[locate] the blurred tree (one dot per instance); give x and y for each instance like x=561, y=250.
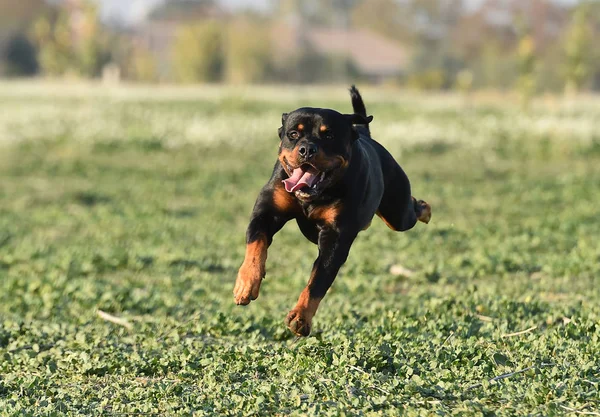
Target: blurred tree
x=17, y=54
x=595, y=18
x=248, y=52
x=331, y=13
x=491, y=70
x=318, y=12
x=387, y=17
x=20, y=57
x=71, y=41
x=579, y=50
x=484, y=45
x=185, y=10
x=52, y=36
x=431, y=79
x=91, y=47
x=198, y=52
x=464, y=81
x=486, y=38
x=550, y=74
x=141, y=65
x=526, y=83
x=289, y=8
x=434, y=59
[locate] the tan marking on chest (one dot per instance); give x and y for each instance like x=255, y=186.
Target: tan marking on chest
x=284, y=201
x=326, y=214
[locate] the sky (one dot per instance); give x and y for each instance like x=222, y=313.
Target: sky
x=134, y=11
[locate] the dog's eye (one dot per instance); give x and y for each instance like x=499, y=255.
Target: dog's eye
x=293, y=134
x=328, y=135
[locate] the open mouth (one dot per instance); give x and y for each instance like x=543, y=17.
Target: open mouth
x=304, y=181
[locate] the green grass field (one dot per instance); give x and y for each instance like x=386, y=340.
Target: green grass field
x=135, y=201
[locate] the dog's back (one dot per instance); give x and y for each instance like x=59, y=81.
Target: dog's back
x=397, y=207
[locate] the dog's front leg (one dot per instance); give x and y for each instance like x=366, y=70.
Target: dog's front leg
x=333, y=251
x=266, y=220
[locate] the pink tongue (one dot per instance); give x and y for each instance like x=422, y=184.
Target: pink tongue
x=299, y=179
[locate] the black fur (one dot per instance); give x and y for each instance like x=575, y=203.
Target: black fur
x=362, y=179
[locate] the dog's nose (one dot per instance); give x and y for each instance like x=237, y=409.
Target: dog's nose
x=307, y=150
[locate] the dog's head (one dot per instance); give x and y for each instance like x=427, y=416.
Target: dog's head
x=315, y=150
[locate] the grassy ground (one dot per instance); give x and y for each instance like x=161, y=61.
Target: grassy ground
x=135, y=202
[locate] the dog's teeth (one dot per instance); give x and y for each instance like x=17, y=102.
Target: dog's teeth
x=322, y=176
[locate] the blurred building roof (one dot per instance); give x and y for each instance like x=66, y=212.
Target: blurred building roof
x=372, y=54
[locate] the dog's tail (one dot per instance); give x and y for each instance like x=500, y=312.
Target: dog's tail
x=358, y=105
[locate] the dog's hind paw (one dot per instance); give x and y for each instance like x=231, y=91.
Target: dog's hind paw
x=423, y=211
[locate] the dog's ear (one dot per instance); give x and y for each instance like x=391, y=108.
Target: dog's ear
x=357, y=119
x=284, y=117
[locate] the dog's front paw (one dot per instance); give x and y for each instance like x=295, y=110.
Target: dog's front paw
x=246, y=289
x=299, y=322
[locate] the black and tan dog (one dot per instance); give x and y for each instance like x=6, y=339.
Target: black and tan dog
x=332, y=177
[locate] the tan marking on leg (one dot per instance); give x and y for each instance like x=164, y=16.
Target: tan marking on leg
x=251, y=272
x=299, y=320
x=386, y=222
x=308, y=304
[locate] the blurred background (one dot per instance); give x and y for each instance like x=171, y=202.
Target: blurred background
x=537, y=46
x=136, y=134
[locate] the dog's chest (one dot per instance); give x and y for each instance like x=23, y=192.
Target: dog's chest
x=323, y=214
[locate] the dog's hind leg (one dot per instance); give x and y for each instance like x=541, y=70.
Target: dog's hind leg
x=399, y=210
x=422, y=210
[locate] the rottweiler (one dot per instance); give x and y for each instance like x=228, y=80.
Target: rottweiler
x=332, y=177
